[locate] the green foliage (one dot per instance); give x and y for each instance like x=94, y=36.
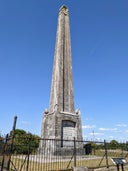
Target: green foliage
x=92, y=147
x=1, y=144
x=115, y=145
x=24, y=142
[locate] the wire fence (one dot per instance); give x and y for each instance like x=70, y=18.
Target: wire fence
x=28, y=154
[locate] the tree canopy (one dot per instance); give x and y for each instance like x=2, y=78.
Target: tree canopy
x=25, y=142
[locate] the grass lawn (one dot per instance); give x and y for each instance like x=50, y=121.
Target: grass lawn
x=38, y=165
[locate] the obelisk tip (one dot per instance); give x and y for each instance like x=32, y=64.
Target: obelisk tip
x=63, y=7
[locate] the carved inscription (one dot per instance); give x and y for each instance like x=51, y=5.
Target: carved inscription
x=68, y=132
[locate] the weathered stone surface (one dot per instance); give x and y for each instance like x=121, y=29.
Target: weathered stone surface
x=61, y=121
x=53, y=128
x=62, y=93
x=106, y=169
x=80, y=169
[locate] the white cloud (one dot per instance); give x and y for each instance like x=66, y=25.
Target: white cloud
x=25, y=122
x=111, y=136
x=88, y=126
x=121, y=125
x=96, y=133
x=88, y=119
x=108, y=129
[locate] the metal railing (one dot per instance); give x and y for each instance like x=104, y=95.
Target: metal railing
x=28, y=154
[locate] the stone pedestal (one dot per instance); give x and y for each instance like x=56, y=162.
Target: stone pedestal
x=62, y=125
x=59, y=129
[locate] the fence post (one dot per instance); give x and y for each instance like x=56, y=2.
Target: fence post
x=28, y=155
x=4, y=150
x=106, y=153
x=12, y=139
x=74, y=152
x=126, y=148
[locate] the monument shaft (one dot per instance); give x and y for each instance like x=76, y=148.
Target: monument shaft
x=61, y=121
x=62, y=93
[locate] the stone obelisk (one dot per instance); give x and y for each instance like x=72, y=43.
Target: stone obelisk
x=61, y=121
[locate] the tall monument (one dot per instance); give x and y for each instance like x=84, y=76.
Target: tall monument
x=61, y=121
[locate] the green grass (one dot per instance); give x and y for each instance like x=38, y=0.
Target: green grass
x=91, y=161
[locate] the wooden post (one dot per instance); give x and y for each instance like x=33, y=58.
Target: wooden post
x=12, y=138
x=106, y=154
x=4, y=151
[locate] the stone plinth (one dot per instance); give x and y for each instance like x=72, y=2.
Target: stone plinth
x=62, y=125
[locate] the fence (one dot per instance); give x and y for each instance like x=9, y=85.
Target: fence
x=28, y=154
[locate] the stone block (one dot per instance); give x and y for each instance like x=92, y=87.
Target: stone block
x=80, y=169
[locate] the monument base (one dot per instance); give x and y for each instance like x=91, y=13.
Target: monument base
x=62, y=125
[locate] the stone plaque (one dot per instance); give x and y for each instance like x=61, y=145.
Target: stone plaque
x=68, y=133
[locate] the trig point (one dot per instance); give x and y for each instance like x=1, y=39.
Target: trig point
x=61, y=121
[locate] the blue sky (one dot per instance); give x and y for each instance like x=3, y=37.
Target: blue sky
x=99, y=37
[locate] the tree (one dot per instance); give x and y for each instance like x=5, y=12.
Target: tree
x=1, y=144
x=89, y=147
x=24, y=142
x=113, y=144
